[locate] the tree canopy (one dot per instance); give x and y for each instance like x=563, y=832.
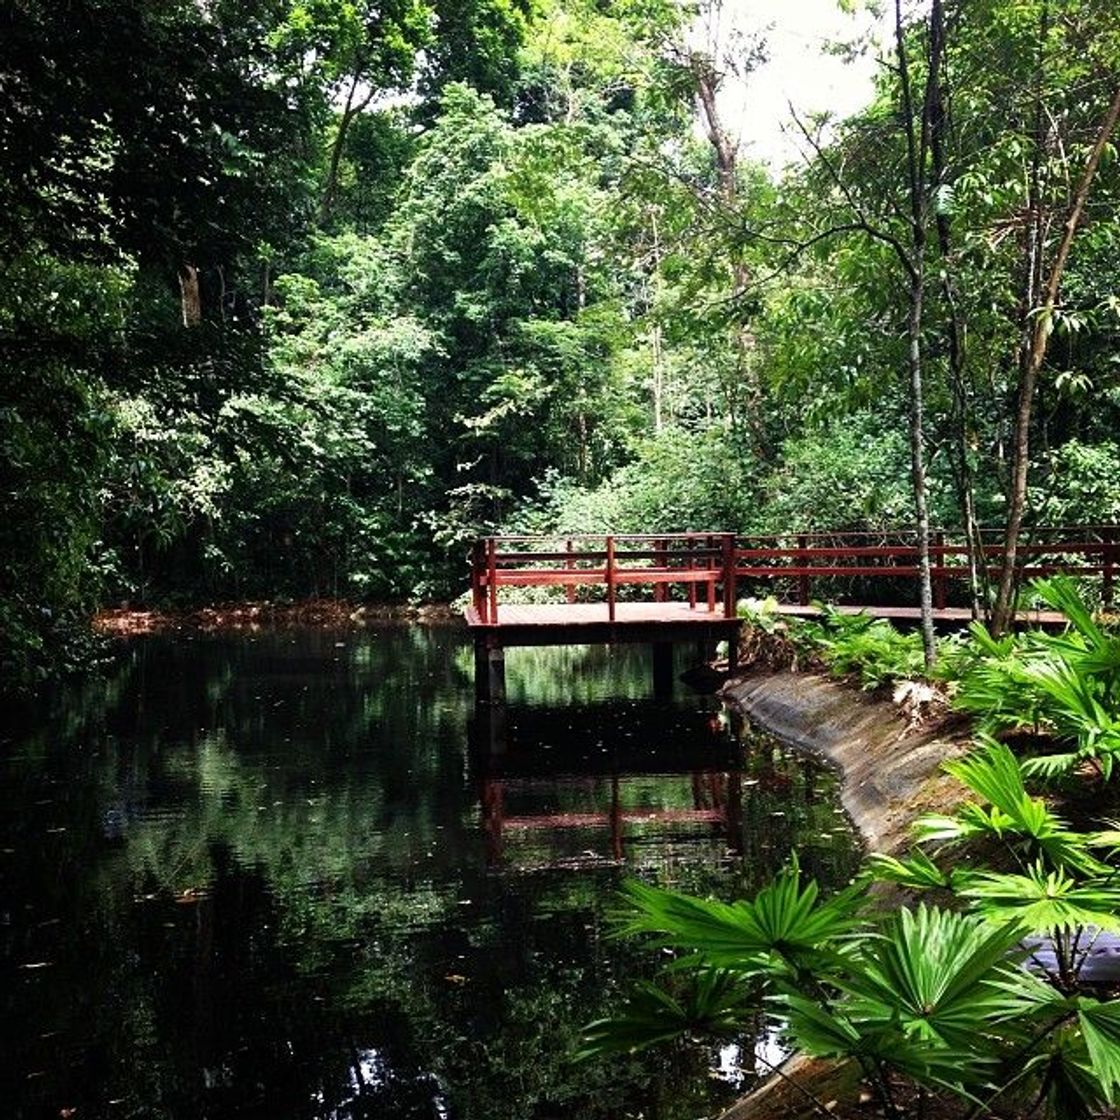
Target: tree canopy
x=301, y=296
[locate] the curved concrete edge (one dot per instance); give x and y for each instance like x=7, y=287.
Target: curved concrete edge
x=889, y=776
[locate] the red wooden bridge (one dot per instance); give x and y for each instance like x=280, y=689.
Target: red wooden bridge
x=668, y=587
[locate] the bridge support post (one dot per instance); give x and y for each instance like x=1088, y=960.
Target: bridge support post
x=662, y=670
x=489, y=731
x=489, y=670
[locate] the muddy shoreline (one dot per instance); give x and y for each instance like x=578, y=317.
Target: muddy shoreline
x=126, y=621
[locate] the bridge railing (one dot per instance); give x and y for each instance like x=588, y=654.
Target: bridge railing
x=714, y=564
x=695, y=561
x=803, y=558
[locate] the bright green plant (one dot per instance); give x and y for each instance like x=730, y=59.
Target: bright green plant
x=1061, y=893
x=1067, y=685
x=929, y=995
x=987, y=1005
x=870, y=648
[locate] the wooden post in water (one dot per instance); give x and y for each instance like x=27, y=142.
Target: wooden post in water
x=489, y=670
x=662, y=670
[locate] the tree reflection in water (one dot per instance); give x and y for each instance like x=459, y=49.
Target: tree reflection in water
x=277, y=875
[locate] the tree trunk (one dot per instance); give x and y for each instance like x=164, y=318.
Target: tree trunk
x=707, y=84
x=656, y=342
x=349, y=111
x=189, y=296
x=954, y=327
x=917, y=148
x=917, y=457
x=1041, y=329
x=707, y=80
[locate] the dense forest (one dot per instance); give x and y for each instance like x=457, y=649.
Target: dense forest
x=301, y=295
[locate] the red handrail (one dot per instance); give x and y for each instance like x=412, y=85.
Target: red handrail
x=605, y=560
x=722, y=559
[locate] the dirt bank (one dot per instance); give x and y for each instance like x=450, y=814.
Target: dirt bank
x=327, y=613
x=890, y=775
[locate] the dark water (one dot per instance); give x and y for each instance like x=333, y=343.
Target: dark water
x=270, y=876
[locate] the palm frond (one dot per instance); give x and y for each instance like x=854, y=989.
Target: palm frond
x=1100, y=1028
x=917, y=870
x=713, y=1004
x=784, y=920
x=1043, y=901
x=932, y=974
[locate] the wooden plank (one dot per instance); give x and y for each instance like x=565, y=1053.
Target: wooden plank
x=1055, y=548
x=889, y=570
x=599, y=555
x=559, y=577
x=949, y=614
x=690, y=559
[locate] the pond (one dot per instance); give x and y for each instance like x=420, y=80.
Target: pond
x=291, y=874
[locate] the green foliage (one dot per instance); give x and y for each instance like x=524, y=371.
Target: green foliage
x=1063, y=893
x=849, y=474
x=1066, y=684
x=783, y=928
x=1079, y=484
x=870, y=648
x=940, y=997
x=679, y=481
x=709, y=1003
x=1007, y=813
x=935, y=996
x=463, y=266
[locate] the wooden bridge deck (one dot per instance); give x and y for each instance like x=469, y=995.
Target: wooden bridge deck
x=578, y=623
x=591, y=616
x=961, y=616
x=711, y=570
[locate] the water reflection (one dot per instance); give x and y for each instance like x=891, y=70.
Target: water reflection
x=277, y=875
x=582, y=784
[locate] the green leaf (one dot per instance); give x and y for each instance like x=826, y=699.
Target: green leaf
x=784, y=921
x=1043, y=901
x=1100, y=1027
x=916, y=870
x=714, y=1003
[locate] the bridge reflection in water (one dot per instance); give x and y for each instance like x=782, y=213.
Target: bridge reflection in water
x=552, y=795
